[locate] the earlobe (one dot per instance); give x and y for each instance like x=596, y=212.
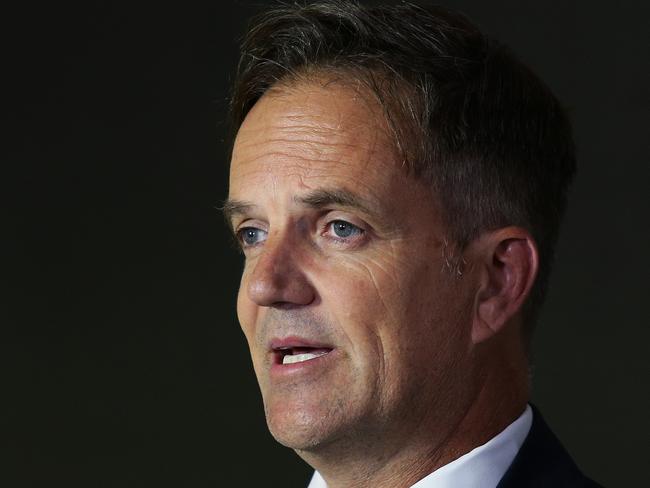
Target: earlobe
x=509, y=263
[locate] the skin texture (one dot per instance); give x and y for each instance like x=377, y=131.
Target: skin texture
x=424, y=364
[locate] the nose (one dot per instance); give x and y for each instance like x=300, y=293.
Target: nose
x=278, y=278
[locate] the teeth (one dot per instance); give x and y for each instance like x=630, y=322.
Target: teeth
x=299, y=358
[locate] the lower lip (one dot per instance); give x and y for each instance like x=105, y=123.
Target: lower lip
x=311, y=366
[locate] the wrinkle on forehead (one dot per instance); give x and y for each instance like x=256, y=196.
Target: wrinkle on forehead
x=308, y=137
x=324, y=124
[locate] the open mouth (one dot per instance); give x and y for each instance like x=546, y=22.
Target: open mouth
x=293, y=355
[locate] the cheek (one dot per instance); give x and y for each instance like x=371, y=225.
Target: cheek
x=369, y=300
x=396, y=305
x=385, y=286
x=362, y=289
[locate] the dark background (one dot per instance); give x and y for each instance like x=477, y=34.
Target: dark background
x=121, y=361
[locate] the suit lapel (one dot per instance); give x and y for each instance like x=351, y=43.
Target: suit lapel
x=543, y=462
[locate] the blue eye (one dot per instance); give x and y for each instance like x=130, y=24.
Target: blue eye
x=250, y=236
x=344, y=229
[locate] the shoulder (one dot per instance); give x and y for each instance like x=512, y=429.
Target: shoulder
x=542, y=461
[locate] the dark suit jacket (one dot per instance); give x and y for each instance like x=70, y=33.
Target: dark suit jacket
x=542, y=462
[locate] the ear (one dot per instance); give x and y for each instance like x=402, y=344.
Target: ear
x=508, y=262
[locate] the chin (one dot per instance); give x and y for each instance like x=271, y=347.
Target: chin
x=302, y=428
x=296, y=440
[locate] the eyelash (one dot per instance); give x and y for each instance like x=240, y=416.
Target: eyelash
x=241, y=235
x=357, y=233
x=356, y=230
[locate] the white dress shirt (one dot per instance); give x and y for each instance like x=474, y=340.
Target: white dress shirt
x=482, y=467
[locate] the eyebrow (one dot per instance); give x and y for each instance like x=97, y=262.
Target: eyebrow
x=231, y=208
x=315, y=199
x=326, y=197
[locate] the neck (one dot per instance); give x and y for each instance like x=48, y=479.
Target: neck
x=399, y=460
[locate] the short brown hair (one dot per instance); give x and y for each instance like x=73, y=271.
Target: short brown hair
x=467, y=116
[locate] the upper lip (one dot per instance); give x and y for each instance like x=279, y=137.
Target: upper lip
x=279, y=344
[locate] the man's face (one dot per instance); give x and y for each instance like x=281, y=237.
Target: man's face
x=356, y=327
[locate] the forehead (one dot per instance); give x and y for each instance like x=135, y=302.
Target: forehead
x=316, y=130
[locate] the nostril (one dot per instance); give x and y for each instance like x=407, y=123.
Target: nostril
x=285, y=305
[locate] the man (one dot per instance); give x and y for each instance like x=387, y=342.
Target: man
x=397, y=182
